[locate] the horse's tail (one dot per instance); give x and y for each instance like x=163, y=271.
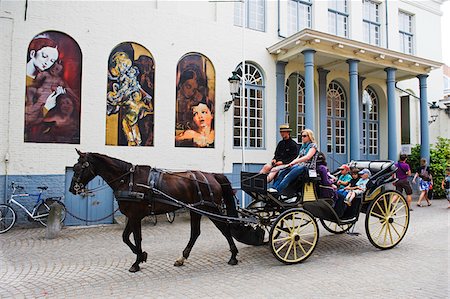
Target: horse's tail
x=228, y=194
x=246, y=234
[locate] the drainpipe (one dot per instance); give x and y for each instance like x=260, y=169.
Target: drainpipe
x=8, y=128
x=387, y=25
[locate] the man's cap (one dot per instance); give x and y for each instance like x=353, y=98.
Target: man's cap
x=364, y=171
x=345, y=166
x=285, y=128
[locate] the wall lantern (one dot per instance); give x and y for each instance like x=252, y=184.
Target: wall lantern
x=434, y=112
x=234, y=89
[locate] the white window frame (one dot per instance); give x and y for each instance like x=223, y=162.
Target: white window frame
x=338, y=15
x=255, y=14
x=296, y=21
x=253, y=109
x=406, y=33
x=371, y=124
x=371, y=22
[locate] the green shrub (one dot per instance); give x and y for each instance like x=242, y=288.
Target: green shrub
x=439, y=161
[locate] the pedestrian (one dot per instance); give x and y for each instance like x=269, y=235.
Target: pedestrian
x=446, y=185
x=425, y=177
x=285, y=152
x=402, y=173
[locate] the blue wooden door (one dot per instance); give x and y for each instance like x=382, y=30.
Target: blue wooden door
x=89, y=207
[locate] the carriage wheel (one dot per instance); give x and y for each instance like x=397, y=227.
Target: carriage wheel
x=293, y=236
x=335, y=228
x=387, y=220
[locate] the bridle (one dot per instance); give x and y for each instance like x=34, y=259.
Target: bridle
x=78, y=186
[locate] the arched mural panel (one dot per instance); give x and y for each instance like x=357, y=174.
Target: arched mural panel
x=130, y=96
x=195, y=102
x=53, y=89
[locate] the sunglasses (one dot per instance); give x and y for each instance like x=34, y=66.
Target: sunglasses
x=304, y=135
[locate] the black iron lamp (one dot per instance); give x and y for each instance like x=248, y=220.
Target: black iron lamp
x=234, y=90
x=434, y=110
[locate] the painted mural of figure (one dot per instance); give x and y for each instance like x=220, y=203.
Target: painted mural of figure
x=128, y=96
x=45, y=86
x=190, y=89
x=202, y=134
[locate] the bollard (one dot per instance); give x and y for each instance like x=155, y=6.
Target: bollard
x=54, y=221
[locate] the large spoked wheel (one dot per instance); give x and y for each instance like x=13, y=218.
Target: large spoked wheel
x=335, y=228
x=387, y=220
x=293, y=236
x=7, y=218
x=43, y=210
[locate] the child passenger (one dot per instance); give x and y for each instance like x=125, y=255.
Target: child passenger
x=354, y=177
x=360, y=187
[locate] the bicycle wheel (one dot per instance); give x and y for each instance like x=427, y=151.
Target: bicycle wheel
x=170, y=216
x=7, y=218
x=43, y=210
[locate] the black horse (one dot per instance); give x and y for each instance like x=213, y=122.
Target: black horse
x=146, y=187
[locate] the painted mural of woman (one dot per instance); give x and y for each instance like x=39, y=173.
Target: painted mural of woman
x=195, y=84
x=47, y=79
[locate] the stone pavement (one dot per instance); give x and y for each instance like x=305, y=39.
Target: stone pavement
x=93, y=262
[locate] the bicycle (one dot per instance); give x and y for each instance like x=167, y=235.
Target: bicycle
x=39, y=213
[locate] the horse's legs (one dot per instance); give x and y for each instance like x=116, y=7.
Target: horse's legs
x=195, y=232
x=140, y=255
x=126, y=237
x=225, y=229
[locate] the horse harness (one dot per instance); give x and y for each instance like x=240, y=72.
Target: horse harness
x=154, y=194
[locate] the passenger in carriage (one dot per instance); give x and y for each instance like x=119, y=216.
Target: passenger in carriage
x=344, y=177
x=285, y=152
x=306, y=160
x=360, y=187
x=327, y=188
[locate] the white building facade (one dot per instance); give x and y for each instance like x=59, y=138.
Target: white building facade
x=332, y=66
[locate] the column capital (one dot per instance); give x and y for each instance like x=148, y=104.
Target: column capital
x=306, y=51
x=350, y=61
x=422, y=76
x=323, y=71
x=390, y=69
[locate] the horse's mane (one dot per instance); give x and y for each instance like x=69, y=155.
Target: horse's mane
x=120, y=164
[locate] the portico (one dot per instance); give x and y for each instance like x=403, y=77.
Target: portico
x=356, y=108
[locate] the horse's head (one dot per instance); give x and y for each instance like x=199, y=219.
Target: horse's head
x=83, y=173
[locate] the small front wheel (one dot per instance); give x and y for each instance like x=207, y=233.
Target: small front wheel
x=293, y=236
x=170, y=217
x=152, y=218
x=7, y=218
x=335, y=228
x=43, y=210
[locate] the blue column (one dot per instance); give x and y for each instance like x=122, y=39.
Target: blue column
x=424, y=133
x=280, y=83
x=309, y=89
x=355, y=137
x=323, y=108
x=392, y=114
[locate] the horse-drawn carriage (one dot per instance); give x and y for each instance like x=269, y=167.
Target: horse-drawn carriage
x=292, y=228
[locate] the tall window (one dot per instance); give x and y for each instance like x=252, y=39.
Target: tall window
x=370, y=123
x=336, y=118
x=405, y=30
x=249, y=124
x=371, y=22
x=295, y=104
x=299, y=15
x=446, y=85
x=255, y=14
x=338, y=17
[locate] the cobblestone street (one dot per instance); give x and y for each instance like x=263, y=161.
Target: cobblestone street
x=93, y=262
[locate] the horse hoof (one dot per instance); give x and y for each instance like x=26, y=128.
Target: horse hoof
x=134, y=269
x=233, y=262
x=178, y=263
x=144, y=257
